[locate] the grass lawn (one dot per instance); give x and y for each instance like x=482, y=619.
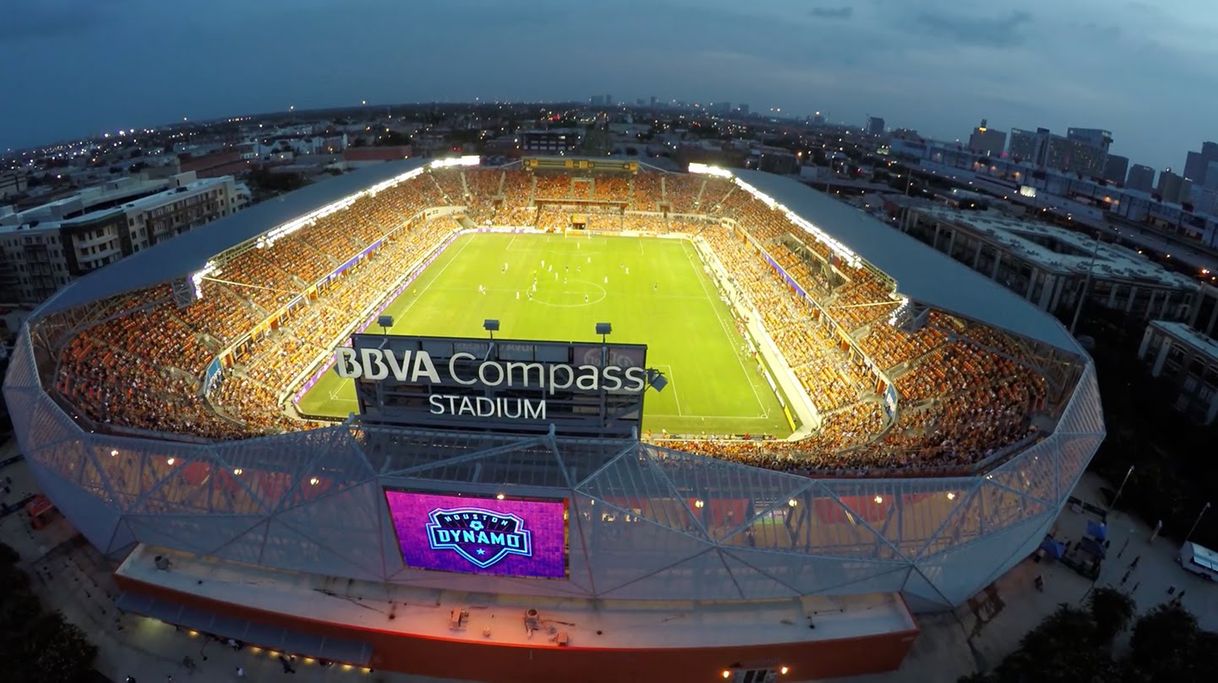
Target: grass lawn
x=654, y=291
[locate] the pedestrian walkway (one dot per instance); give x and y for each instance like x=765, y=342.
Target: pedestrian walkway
x=958, y=643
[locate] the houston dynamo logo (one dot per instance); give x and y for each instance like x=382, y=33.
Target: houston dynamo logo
x=482, y=537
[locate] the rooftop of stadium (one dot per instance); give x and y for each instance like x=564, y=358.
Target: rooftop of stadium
x=910, y=361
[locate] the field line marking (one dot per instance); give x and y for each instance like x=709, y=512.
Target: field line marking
x=735, y=352
x=397, y=318
x=675, y=394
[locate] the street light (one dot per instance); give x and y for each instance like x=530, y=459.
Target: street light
x=1112, y=505
x=1196, y=522
x=1078, y=309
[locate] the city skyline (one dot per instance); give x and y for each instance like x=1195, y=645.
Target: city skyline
x=937, y=68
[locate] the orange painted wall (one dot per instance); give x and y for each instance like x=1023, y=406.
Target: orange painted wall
x=581, y=661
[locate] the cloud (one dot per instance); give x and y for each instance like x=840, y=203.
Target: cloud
x=49, y=19
x=978, y=31
x=832, y=12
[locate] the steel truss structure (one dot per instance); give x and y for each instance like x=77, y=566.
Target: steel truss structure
x=644, y=522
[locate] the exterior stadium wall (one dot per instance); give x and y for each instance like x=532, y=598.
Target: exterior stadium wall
x=483, y=660
x=313, y=502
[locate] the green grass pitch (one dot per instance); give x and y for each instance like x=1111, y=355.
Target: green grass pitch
x=653, y=290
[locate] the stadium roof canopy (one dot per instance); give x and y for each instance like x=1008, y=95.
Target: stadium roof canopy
x=922, y=274
x=189, y=252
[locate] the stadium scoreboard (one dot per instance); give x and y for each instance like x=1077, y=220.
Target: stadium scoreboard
x=576, y=388
x=567, y=164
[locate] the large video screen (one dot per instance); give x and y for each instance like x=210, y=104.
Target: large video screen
x=471, y=534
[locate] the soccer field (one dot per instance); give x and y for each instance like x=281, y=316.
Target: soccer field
x=654, y=292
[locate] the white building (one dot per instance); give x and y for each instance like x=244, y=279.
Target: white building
x=1186, y=360
x=1052, y=266
x=43, y=248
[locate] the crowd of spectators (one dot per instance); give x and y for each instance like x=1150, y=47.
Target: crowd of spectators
x=273, y=312
x=648, y=192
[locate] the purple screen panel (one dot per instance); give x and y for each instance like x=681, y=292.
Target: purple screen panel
x=480, y=535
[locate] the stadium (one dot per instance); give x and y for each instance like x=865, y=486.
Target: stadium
x=834, y=427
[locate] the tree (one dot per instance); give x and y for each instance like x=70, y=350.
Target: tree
x=1111, y=610
x=57, y=650
x=1167, y=645
x=1075, y=645
x=1062, y=648
x=36, y=645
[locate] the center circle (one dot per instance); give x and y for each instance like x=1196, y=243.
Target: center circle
x=570, y=294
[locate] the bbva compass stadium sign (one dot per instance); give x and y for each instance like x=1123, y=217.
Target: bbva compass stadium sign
x=576, y=387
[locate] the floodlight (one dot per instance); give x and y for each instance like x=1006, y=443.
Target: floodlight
x=604, y=328
x=490, y=325
x=656, y=379
x=385, y=321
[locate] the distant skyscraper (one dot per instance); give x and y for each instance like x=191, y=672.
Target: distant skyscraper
x=721, y=108
x=1140, y=178
x=597, y=100
x=653, y=100
x=1029, y=146
x=1211, y=175
x=608, y=100
x=1083, y=151
x=818, y=119
x=1076, y=156
x=1095, y=137
x=875, y=125
x=987, y=141
x=1173, y=187
x=1115, y=168
x=743, y=109
x=1196, y=167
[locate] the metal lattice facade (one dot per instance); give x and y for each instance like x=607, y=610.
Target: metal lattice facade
x=645, y=522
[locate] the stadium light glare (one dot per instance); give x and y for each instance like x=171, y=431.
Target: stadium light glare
x=170, y=461
x=784, y=670
x=879, y=499
x=699, y=503
x=707, y=169
x=314, y=481
x=951, y=495
x=196, y=278
x=838, y=248
x=238, y=471
x=271, y=236
x=466, y=160
x=895, y=319
x=793, y=503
